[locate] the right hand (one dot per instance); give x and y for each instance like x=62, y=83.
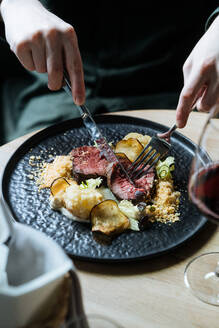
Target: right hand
x=201, y=76
x=45, y=43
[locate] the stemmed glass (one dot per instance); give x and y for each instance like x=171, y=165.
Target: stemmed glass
x=202, y=273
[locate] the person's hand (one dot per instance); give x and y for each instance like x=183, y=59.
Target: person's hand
x=45, y=43
x=201, y=76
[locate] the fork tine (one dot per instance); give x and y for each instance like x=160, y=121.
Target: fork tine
x=142, y=160
x=142, y=172
x=149, y=161
x=136, y=162
x=150, y=155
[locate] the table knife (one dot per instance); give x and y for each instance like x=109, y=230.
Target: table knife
x=93, y=129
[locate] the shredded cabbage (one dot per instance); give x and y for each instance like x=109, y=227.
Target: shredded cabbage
x=97, y=146
x=130, y=210
x=133, y=225
x=91, y=183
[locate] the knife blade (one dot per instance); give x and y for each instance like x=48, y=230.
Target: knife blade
x=94, y=131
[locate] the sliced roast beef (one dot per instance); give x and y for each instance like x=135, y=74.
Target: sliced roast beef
x=121, y=186
x=146, y=181
x=88, y=162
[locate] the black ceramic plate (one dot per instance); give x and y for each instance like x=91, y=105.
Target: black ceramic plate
x=31, y=207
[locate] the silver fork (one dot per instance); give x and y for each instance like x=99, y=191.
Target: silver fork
x=155, y=150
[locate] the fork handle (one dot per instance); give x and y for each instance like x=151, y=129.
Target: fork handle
x=172, y=129
x=167, y=135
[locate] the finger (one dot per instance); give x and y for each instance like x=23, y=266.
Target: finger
x=209, y=98
x=54, y=61
x=187, y=69
x=187, y=99
x=39, y=53
x=199, y=95
x=74, y=67
x=24, y=54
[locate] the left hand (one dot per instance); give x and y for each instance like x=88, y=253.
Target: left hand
x=201, y=76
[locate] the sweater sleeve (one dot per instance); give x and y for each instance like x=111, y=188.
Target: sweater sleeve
x=211, y=18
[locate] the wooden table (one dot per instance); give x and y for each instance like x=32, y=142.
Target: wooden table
x=150, y=293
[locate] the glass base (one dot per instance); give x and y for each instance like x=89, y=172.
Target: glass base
x=201, y=276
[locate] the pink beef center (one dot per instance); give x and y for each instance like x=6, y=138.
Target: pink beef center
x=146, y=182
x=87, y=160
x=121, y=186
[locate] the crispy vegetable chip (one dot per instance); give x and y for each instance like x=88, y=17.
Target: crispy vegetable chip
x=58, y=185
x=107, y=218
x=143, y=139
x=130, y=147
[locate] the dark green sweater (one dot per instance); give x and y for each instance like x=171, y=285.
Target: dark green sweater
x=132, y=52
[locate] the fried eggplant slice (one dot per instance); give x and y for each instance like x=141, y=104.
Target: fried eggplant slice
x=58, y=185
x=130, y=147
x=122, y=156
x=143, y=139
x=107, y=218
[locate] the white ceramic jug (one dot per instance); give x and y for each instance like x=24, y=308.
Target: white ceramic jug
x=31, y=269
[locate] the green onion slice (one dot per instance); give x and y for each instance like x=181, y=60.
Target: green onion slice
x=164, y=168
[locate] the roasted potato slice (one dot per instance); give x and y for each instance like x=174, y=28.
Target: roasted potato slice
x=107, y=218
x=130, y=147
x=58, y=185
x=143, y=139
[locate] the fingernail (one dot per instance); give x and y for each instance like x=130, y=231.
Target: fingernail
x=79, y=100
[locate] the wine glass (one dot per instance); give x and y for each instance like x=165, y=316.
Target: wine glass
x=202, y=273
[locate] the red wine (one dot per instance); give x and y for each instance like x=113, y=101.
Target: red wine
x=204, y=191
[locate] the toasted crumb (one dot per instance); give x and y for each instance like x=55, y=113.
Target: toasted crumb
x=60, y=167
x=165, y=203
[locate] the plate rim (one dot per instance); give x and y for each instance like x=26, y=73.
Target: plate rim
x=99, y=119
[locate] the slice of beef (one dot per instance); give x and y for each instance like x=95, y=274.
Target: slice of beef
x=146, y=181
x=122, y=188
x=88, y=162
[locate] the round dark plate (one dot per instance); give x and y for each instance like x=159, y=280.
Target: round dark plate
x=31, y=207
